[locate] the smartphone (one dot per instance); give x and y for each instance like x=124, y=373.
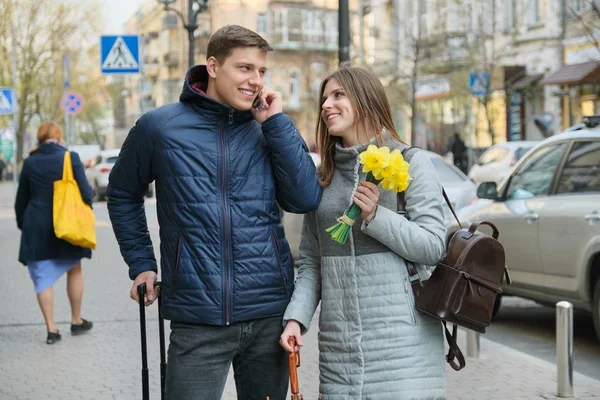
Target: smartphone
x=256, y=103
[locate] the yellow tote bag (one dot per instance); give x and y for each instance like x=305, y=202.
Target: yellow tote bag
x=74, y=221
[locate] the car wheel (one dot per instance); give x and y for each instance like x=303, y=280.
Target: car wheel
x=596, y=308
x=497, y=304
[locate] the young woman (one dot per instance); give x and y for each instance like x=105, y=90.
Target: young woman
x=373, y=343
x=46, y=256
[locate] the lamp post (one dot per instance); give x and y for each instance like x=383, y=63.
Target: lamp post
x=191, y=25
x=344, y=31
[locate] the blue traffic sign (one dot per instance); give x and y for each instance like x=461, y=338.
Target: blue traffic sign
x=71, y=102
x=479, y=82
x=119, y=54
x=7, y=100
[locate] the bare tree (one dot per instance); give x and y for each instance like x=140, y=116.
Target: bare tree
x=588, y=18
x=42, y=31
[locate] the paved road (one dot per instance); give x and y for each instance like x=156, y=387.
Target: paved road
x=105, y=364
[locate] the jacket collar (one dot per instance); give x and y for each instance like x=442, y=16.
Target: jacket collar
x=194, y=92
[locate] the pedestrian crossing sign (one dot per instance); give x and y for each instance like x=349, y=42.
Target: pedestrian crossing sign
x=7, y=103
x=119, y=54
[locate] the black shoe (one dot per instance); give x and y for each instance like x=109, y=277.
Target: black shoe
x=81, y=328
x=53, y=337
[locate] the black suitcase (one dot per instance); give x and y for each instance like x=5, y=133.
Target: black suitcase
x=141, y=289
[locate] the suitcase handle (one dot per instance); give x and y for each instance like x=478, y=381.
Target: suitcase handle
x=141, y=290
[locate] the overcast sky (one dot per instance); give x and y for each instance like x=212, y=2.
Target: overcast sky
x=117, y=12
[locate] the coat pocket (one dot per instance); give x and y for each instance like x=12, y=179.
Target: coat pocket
x=410, y=300
x=176, y=263
x=278, y=255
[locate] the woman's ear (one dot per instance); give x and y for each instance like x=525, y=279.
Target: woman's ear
x=212, y=66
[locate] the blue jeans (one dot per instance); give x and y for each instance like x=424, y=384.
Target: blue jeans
x=200, y=356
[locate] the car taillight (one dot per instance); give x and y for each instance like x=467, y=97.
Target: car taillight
x=104, y=170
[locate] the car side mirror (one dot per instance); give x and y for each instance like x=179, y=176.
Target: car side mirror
x=487, y=190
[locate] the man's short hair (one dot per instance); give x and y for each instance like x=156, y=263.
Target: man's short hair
x=229, y=37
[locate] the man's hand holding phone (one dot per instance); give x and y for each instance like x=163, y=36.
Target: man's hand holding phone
x=266, y=104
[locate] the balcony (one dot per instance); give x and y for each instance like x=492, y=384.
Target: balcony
x=151, y=67
x=171, y=60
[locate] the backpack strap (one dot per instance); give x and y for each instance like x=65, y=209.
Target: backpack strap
x=453, y=350
x=454, y=357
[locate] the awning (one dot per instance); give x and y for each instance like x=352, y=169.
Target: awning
x=525, y=82
x=575, y=74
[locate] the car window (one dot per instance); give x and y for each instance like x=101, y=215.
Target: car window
x=445, y=172
x=493, y=155
x=111, y=160
x=535, y=175
x=581, y=173
x=520, y=152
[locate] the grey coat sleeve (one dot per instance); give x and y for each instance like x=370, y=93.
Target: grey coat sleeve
x=422, y=238
x=307, y=291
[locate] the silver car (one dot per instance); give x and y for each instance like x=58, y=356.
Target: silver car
x=548, y=215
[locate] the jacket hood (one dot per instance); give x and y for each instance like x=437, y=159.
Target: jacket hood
x=194, y=91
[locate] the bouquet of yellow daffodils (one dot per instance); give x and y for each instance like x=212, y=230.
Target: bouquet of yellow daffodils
x=381, y=166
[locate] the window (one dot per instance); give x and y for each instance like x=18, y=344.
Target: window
x=294, y=100
x=111, y=160
x=535, y=175
x=300, y=26
x=535, y=12
x=494, y=154
x=581, y=173
x=520, y=152
x=261, y=24
x=511, y=15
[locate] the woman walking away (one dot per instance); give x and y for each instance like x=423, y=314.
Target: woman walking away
x=373, y=343
x=46, y=256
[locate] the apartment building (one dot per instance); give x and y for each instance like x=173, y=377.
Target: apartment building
x=514, y=42
x=303, y=34
x=579, y=76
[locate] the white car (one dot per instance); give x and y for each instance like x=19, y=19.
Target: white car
x=548, y=215
x=98, y=169
x=461, y=190
x=497, y=162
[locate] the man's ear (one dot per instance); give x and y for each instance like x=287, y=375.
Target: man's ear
x=211, y=67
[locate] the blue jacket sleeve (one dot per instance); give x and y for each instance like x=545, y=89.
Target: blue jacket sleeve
x=82, y=182
x=298, y=189
x=22, y=197
x=128, y=184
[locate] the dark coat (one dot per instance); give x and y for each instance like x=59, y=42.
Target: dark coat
x=33, y=205
x=219, y=176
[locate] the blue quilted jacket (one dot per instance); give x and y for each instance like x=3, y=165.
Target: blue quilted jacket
x=219, y=176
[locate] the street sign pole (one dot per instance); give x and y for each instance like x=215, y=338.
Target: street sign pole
x=15, y=108
x=66, y=86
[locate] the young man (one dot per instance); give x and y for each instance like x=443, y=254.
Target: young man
x=220, y=167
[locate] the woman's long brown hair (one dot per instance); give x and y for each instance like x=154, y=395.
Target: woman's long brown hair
x=372, y=114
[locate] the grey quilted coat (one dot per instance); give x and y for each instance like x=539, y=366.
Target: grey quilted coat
x=373, y=344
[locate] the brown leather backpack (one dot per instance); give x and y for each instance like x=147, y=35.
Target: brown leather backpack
x=463, y=287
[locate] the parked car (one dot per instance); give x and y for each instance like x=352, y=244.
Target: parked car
x=497, y=162
x=548, y=215
x=461, y=190
x=97, y=170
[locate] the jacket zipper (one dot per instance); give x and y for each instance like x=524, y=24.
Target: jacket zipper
x=176, y=267
x=274, y=240
x=225, y=216
x=407, y=288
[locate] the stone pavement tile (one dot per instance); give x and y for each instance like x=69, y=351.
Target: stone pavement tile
x=504, y=373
